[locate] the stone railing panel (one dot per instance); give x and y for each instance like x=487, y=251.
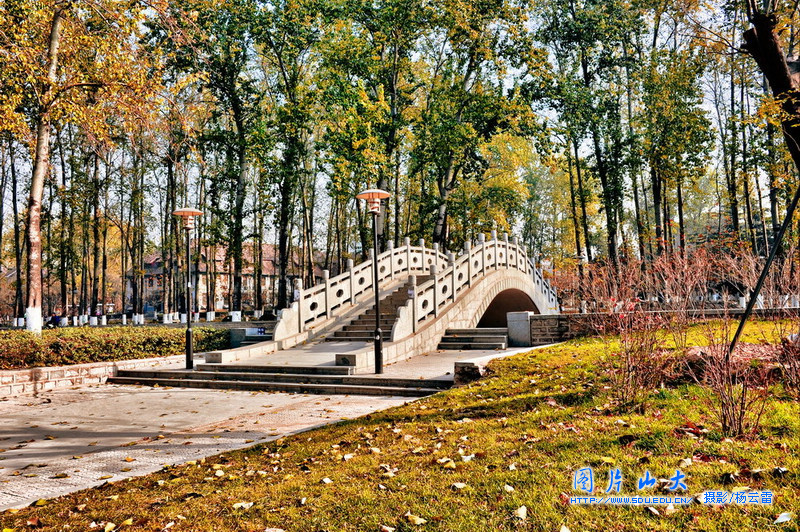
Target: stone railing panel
x=333, y=296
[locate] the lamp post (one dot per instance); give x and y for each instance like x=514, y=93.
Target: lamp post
x=188, y=215
x=374, y=197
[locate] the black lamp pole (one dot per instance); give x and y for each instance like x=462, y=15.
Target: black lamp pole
x=378, y=332
x=188, y=214
x=189, y=339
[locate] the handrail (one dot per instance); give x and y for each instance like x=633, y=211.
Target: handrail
x=432, y=296
x=451, y=274
x=326, y=300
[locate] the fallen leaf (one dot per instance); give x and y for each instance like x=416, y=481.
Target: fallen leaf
x=104, y=477
x=785, y=517
x=109, y=527
x=130, y=459
x=458, y=485
x=521, y=512
x=326, y=480
x=508, y=488
x=127, y=522
x=652, y=510
x=242, y=505
x=563, y=529
x=385, y=528
x=34, y=522
x=415, y=519
x=686, y=462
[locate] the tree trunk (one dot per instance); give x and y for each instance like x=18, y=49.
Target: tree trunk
x=582, y=199
x=95, y=195
x=40, y=167
x=762, y=43
x=18, y=303
x=681, y=226
x=733, y=186
x=655, y=183
x=575, y=221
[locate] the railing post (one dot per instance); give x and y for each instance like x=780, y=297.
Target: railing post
x=326, y=276
x=407, y=244
x=505, y=239
x=482, y=244
x=298, y=283
x=422, y=265
x=435, y=290
x=468, y=251
x=516, y=250
x=352, y=282
x=390, y=247
x=494, y=240
x=435, y=254
x=413, y=279
x=451, y=259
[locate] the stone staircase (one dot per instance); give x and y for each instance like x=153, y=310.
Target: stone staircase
x=292, y=379
x=362, y=328
x=483, y=338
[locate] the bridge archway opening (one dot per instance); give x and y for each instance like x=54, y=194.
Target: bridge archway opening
x=511, y=300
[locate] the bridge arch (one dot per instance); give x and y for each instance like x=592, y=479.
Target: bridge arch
x=509, y=300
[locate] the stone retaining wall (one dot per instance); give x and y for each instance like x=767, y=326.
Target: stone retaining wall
x=34, y=380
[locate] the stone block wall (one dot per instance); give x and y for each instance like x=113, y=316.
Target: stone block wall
x=35, y=380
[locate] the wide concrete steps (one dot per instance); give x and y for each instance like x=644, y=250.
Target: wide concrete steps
x=294, y=370
x=281, y=381
x=487, y=338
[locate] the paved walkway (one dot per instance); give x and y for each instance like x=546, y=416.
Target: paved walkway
x=63, y=441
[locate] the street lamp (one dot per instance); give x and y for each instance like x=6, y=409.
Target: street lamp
x=374, y=197
x=188, y=215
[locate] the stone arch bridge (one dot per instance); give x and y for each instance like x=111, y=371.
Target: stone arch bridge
x=424, y=293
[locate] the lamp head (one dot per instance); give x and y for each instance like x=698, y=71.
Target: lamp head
x=188, y=215
x=373, y=197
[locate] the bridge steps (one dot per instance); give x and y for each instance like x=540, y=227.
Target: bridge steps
x=363, y=327
x=267, y=378
x=488, y=338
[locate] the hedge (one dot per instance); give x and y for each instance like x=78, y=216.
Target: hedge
x=62, y=347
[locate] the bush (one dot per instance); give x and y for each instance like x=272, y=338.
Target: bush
x=61, y=347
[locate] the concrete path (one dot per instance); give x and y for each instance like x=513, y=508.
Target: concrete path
x=63, y=441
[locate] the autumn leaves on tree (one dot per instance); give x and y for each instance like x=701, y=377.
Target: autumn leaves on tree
x=599, y=129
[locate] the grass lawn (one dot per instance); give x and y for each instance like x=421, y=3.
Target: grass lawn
x=512, y=439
